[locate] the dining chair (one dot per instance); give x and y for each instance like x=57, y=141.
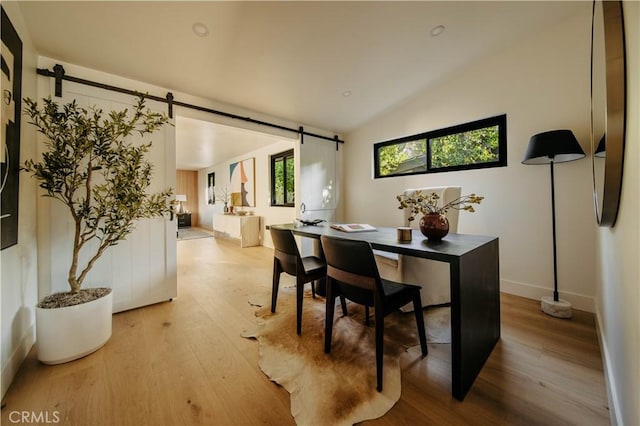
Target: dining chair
x=430, y=275
x=352, y=273
x=287, y=259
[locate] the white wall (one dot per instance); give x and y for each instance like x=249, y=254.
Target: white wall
x=541, y=83
x=19, y=263
x=618, y=256
x=269, y=215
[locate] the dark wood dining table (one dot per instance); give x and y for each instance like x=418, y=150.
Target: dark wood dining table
x=475, y=289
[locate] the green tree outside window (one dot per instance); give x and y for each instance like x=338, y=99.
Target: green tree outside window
x=477, y=144
x=283, y=179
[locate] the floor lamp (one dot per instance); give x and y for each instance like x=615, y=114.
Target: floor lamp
x=556, y=146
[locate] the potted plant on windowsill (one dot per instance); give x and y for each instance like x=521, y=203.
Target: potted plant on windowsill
x=102, y=178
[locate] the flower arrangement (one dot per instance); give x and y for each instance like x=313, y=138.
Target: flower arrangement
x=420, y=202
x=223, y=195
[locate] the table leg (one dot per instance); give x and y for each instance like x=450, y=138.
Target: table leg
x=475, y=314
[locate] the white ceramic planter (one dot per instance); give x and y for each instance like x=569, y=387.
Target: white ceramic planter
x=65, y=334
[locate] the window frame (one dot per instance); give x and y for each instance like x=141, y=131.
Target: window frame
x=273, y=158
x=498, y=120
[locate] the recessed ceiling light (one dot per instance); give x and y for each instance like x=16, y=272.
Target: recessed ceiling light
x=200, y=29
x=437, y=30
x=346, y=93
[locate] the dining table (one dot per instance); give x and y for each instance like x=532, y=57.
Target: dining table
x=475, y=288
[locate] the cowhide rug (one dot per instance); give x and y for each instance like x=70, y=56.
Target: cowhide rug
x=337, y=388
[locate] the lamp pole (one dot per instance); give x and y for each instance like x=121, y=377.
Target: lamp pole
x=553, y=221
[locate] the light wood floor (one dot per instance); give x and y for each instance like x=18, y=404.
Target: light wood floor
x=184, y=363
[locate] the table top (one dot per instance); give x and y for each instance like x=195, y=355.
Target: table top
x=451, y=247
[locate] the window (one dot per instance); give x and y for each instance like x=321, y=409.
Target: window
x=282, y=179
x=475, y=145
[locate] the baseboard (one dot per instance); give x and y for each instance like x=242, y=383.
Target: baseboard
x=609, y=378
x=578, y=301
x=14, y=362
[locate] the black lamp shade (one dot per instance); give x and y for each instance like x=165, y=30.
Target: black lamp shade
x=555, y=146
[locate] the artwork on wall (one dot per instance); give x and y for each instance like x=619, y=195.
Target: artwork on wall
x=211, y=185
x=10, y=143
x=242, y=179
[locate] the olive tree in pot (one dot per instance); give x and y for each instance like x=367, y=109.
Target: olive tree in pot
x=92, y=167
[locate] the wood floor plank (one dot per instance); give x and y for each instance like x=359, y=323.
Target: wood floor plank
x=185, y=363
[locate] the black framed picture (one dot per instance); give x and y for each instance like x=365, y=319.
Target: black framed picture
x=211, y=185
x=11, y=87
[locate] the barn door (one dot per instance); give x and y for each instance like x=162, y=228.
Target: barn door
x=318, y=164
x=142, y=269
x=318, y=183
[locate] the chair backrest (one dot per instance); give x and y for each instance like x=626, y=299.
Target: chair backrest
x=446, y=194
x=352, y=264
x=285, y=249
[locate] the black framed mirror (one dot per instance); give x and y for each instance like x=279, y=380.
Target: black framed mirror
x=608, y=108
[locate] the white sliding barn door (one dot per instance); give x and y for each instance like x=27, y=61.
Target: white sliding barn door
x=142, y=269
x=318, y=182
x=318, y=174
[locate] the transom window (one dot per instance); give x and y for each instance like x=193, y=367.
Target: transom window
x=474, y=145
x=282, y=179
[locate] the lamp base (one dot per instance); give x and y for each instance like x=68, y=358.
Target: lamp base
x=559, y=309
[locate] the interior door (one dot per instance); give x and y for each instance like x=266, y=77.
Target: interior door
x=141, y=270
x=318, y=184
x=318, y=163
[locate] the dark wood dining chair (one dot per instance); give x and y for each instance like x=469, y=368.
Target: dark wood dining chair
x=287, y=259
x=352, y=273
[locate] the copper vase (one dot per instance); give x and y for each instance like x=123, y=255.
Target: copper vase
x=434, y=226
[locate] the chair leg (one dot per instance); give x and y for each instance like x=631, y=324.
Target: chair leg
x=313, y=289
x=379, y=347
x=328, y=320
x=343, y=303
x=275, y=284
x=367, y=322
x=299, y=297
x=417, y=308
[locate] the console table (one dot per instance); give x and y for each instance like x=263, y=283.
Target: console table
x=475, y=289
x=245, y=228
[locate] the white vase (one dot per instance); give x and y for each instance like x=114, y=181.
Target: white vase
x=65, y=334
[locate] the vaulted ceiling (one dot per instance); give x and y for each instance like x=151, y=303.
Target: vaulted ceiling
x=330, y=65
